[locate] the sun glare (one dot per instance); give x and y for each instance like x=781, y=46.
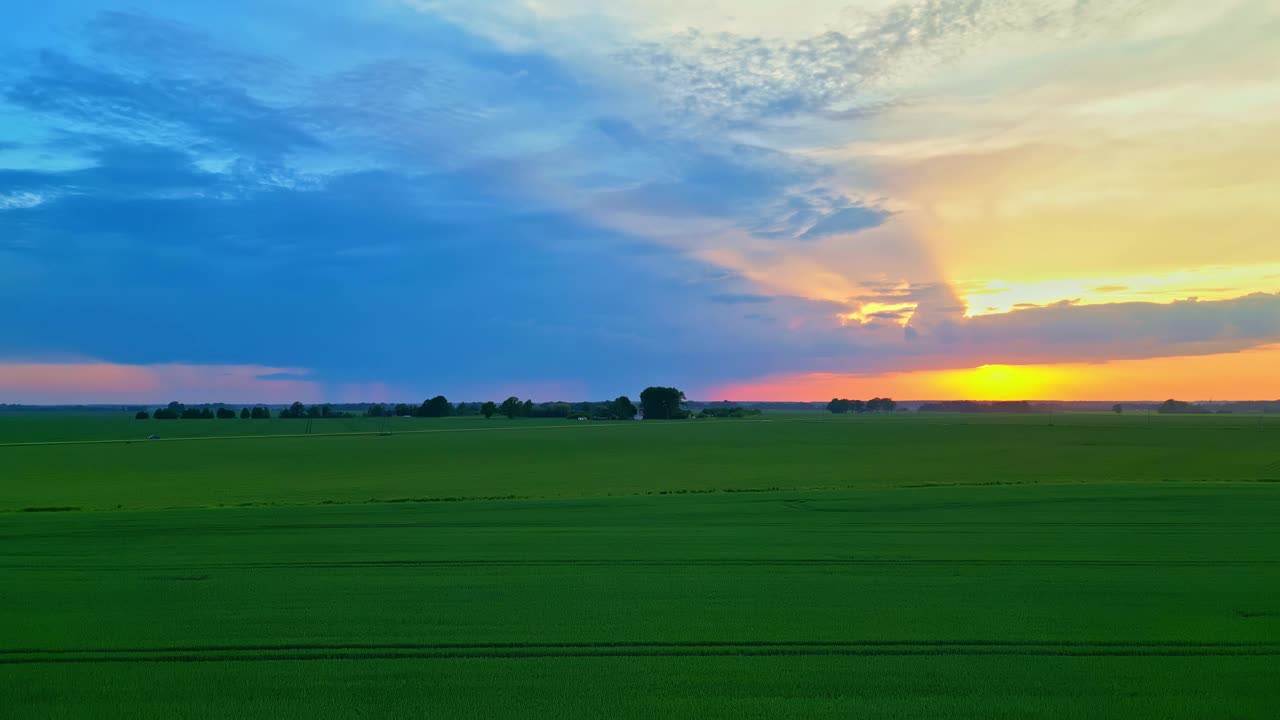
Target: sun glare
x=1003, y=382
x=899, y=313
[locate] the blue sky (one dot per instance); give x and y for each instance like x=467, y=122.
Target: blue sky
x=384, y=200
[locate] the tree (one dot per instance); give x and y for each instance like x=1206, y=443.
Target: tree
x=547, y=410
x=663, y=403
x=296, y=410
x=1117, y=408
x=226, y=413
x=263, y=413
x=376, y=410
x=172, y=411
x=841, y=406
x=437, y=406
x=488, y=409
x=142, y=415
x=527, y=410
x=1180, y=407
x=881, y=404
x=206, y=414
x=510, y=407
x=245, y=414
x=623, y=408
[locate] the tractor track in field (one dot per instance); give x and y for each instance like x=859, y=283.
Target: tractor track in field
x=646, y=563
x=355, y=433
x=607, y=649
x=590, y=644
x=949, y=528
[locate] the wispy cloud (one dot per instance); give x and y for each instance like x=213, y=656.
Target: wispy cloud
x=145, y=107
x=745, y=80
x=740, y=298
x=845, y=220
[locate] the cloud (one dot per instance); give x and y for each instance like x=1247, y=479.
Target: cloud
x=687, y=180
x=1065, y=331
x=20, y=200
x=733, y=79
x=942, y=337
x=813, y=213
x=227, y=267
x=740, y=298
x=846, y=220
x=104, y=382
x=122, y=170
x=179, y=49
x=143, y=106
x=282, y=376
x=1134, y=335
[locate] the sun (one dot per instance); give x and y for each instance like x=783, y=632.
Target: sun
x=1004, y=382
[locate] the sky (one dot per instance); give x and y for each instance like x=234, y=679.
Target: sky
x=382, y=200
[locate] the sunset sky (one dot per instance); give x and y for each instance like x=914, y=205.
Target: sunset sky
x=276, y=200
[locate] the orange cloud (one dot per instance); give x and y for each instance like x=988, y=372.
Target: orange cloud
x=1247, y=375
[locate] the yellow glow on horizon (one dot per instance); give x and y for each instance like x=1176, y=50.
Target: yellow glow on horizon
x=1002, y=382
x=1245, y=375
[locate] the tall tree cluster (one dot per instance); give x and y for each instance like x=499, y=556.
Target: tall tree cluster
x=178, y=411
x=841, y=406
x=663, y=403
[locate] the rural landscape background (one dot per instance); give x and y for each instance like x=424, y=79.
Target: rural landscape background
x=640, y=359
x=789, y=564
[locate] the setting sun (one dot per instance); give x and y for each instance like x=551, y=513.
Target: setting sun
x=1002, y=382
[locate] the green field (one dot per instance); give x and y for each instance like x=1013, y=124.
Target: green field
x=800, y=566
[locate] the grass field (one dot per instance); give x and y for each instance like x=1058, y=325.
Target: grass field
x=904, y=566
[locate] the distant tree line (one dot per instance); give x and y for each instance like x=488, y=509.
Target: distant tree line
x=656, y=403
x=730, y=411
x=971, y=406
x=437, y=406
x=298, y=411
x=841, y=406
x=665, y=403
x=178, y=411
x=1178, y=407
x=512, y=407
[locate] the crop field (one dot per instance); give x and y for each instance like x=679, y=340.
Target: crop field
x=794, y=566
